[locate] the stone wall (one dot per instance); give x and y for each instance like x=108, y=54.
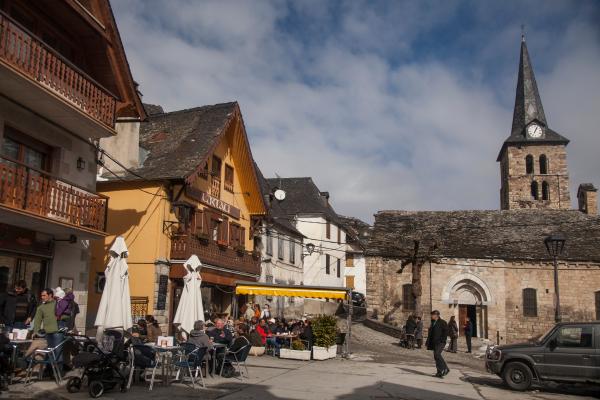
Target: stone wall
x=495, y=287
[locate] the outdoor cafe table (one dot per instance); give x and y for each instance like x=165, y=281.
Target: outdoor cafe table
x=215, y=351
x=164, y=353
x=285, y=336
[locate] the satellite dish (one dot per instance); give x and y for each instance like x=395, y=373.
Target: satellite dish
x=279, y=194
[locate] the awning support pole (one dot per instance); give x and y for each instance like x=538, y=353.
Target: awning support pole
x=349, y=322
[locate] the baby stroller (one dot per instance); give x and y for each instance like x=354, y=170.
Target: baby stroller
x=103, y=366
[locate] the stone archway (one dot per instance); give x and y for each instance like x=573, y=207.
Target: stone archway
x=470, y=296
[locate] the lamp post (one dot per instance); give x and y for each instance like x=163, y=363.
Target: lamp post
x=555, y=243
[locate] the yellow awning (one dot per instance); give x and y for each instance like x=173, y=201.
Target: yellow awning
x=291, y=292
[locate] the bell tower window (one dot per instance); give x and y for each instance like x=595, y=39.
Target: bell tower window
x=543, y=164
x=534, y=190
x=529, y=164
x=545, y=191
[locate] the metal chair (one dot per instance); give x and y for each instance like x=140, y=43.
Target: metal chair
x=141, y=358
x=239, y=357
x=46, y=357
x=191, y=358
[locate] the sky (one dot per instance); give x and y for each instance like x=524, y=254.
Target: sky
x=385, y=104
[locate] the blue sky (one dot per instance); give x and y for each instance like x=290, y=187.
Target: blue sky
x=386, y=104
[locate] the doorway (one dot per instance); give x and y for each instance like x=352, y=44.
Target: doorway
x=464, y=311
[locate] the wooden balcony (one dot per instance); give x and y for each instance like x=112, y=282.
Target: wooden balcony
x=215, y=187
x=43, y=76
x=26, y=191
x=184, y=245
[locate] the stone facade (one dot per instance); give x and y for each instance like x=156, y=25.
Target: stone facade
x=493, y=287
x=516, y=183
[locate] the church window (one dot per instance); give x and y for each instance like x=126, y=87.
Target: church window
x=408, y=300
x=597, y=298
x=534, y=190
x=545, y=191
x=529, y=164
x=529, y=302
x=543, y=164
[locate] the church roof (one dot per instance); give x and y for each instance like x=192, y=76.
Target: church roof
x=528, y=108
x=507, y=234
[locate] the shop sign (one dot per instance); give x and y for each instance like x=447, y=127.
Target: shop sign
x=211, y=201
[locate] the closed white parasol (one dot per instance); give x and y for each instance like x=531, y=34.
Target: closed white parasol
x=190, y=307
x=115, y=305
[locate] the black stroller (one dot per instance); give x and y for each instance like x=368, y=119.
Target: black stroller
x=104, y=366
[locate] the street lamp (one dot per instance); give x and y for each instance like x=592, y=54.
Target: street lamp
x=555, y=243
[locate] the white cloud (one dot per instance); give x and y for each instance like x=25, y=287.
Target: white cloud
x=349, y=100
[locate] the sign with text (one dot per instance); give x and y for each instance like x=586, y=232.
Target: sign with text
x=163, y=285
x=211, y=201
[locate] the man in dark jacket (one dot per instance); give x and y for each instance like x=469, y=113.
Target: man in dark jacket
x=17, y=309
x=468, y=329
x=436, y=341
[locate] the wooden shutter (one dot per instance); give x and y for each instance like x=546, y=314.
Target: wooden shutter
x=339, y=268
x=350, y=281
x=199, y=224
x=242, y=236
x=234, y=235
x=597, y=295
x=327, y=270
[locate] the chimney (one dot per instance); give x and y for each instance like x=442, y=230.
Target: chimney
x=325, y=195
x=587, y=196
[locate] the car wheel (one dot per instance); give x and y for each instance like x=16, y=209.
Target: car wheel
x=96, y=389
x=517, y=376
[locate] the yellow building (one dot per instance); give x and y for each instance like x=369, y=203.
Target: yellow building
x=193, y=190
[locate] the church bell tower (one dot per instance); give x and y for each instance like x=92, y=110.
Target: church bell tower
x=533, y=160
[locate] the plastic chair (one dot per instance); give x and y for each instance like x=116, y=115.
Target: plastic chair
x=142, y=358
x=239, y=357
x=190, y=359
x=47, y=357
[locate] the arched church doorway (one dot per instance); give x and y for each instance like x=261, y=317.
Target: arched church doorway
x=469, y=296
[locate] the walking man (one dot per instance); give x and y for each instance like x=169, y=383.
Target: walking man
x=436, y=341
x=468, y=329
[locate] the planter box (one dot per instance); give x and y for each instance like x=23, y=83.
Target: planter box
x=295, y=354
x=257, y=351
x=324, y=353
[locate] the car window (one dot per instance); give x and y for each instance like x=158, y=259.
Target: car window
x=575, y=336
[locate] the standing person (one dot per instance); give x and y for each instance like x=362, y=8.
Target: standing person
x=266, y=312
x=453, y=332
x=419, y=332
x=45, y=323
x=436, y=341
x=409, y=329
x=249, y=313
x=17, y=308
x=468, y=329
x=64, y=307
x=257, y=312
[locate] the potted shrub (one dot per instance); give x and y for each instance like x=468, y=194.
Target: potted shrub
x=297, y=352
x=324, y=328
x=222, y=244
x=240, y=250
x=203, y=237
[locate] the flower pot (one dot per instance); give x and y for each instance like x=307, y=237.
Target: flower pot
x=324, y=353
x=295, y=354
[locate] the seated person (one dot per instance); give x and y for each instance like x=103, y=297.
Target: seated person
x=255, y=339
x=219, y=334
x=263, y=330
x=307, y=334
x=153, y=328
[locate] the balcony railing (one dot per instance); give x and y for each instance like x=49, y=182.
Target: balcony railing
x=39, y=193
x=30, y=56
x=215, y=187
x=184, y=245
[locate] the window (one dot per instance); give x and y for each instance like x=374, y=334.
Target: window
x=327, y=268
x=349, y=260
x=216, y=167
x=545, y=191
x=292, y=252
x=529, y=164
x=214, y=228
x=200, y=227
x=339, y=235
x=280, y=247
x=529, y=302
x=408, y=300
x=228, y=178
x=269, y=243
x=543, y=164
x=575, y=336
x=25, y=150
x=534, y=190
x=339, y=268
x=219, y=229
x=328, y=230
x=597, y=298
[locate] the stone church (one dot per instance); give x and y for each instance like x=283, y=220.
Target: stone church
x=493, y=266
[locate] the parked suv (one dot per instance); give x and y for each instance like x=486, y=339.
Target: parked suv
x=568, y=352
x=358, y=299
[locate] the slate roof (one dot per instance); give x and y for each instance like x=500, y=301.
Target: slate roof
x=303, y=197
x=529, y=108
x=179, y=141
x=358, y=230
x=507, y=234
x=275, y=214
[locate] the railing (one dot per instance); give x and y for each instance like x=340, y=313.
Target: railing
x=32, y=57
x=215, y=187
x=139, y=308
x=39, y=193
x=183, y=246
x=228, y=186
